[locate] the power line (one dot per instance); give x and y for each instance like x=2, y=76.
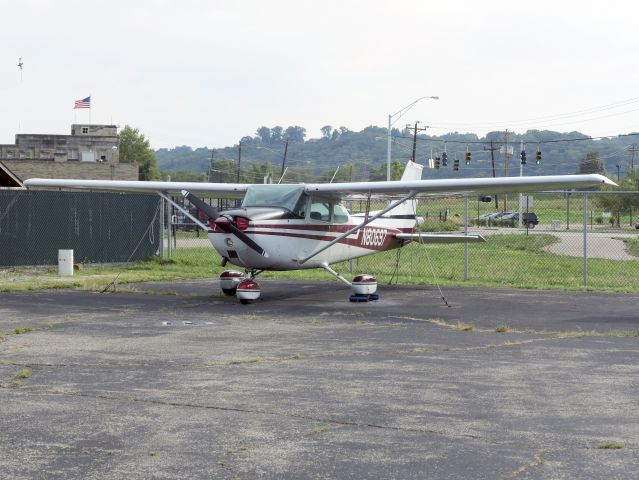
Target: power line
x=552, y=117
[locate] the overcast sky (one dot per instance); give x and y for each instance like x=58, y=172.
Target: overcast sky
x=206, y=73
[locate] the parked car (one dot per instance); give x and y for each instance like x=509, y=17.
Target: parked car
x=528, y=219
x=489, y=219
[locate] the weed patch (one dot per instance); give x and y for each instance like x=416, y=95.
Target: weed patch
x=610, y=446
x=24, y=373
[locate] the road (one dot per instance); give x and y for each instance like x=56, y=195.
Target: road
x=605, y=245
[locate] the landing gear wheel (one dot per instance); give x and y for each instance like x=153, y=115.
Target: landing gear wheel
x=229, y=280
x=247, y=291
x=363, y=288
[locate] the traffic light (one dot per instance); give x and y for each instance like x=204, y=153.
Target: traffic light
x=437, y=161
x=444, y=159
x=456, y=164
x=538, y=157
x=467, y=158
x=523, y=157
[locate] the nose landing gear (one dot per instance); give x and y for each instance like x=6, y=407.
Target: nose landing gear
x=244, y=287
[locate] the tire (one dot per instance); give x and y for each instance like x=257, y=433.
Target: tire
x=229, y=292
x=244, y=301
x=531, y=225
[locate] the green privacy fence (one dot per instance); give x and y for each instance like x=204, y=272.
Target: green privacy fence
x=99, y=227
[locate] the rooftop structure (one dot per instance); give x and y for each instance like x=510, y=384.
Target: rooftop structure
x=90, y=152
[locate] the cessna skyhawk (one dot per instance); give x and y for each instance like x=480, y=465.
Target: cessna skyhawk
x=300, y=226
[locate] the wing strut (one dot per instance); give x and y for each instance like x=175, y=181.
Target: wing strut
x=356, y=228
x=184, y=211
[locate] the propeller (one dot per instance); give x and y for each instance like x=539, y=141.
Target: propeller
x=223, y=222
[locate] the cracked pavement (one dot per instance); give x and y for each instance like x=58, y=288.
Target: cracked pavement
x=181, y=382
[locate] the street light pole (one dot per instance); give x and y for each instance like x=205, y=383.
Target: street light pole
x=239, y=160
x=390, y=124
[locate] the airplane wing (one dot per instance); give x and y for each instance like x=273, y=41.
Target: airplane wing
x=462, y=185
x=440, y=237
x=232, y=190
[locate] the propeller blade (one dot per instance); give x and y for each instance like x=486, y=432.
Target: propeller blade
x=205, y=207
x=226, y=224
x=245, y=238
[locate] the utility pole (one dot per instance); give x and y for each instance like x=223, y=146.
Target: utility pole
x=506, y=163
x=210, y=172
x=414, y=142
x=492, y=159
x=416, y=129
x=284, y=159
x=633, y=150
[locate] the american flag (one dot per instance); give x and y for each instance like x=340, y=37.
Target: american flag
x=84, y=103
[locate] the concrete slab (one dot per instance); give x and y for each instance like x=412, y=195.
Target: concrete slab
x=182, y=382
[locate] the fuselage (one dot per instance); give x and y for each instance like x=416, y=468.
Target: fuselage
x=288, y=239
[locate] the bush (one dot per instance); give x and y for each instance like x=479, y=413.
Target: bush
x=437, y=226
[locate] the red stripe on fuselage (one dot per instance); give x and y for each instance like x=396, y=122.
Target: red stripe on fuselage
x=370, y=238
x=341, y=228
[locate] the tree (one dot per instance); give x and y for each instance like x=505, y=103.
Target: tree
x=264, y=133
x=379, y=174
x=326, y=131
x=184, y=175
x=257, y=171
x=276, y=134
x=223, y=170
x=296, y=134
x=592, y=163
x=134, y=148
x=620, y=204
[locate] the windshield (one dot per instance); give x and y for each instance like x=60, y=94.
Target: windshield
x=290, y=197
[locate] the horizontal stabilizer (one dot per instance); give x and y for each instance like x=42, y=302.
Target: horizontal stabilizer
x=440, y=237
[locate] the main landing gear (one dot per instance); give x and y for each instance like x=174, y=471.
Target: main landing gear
x=363, y=287
x=244, y=287
x=247, y=290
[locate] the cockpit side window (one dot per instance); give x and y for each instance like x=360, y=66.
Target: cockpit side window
x=321, y=211
x=340, y=214
x=327, y=211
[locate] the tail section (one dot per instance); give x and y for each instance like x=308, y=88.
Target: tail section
x=404, y=215
x=413, y=171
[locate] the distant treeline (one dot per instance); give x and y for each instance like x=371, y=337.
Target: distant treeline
x=349, y=155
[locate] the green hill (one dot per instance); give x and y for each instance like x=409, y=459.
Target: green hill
x=362, y=155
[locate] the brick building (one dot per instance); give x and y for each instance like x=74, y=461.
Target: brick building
x=90, y=152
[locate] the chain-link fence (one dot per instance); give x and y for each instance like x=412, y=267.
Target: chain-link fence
x=560, y=239
x=99, y=227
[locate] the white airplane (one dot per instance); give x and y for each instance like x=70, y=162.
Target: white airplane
x=300, y=226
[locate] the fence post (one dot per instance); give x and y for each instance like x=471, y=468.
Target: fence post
x=585, y=239
x=169, y=207
x=466, y=243
x=161, y=227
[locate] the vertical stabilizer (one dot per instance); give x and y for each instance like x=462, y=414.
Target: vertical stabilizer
x=404, y=215
x=413, y=171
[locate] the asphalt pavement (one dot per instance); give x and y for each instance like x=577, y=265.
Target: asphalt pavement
x=176, y=381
